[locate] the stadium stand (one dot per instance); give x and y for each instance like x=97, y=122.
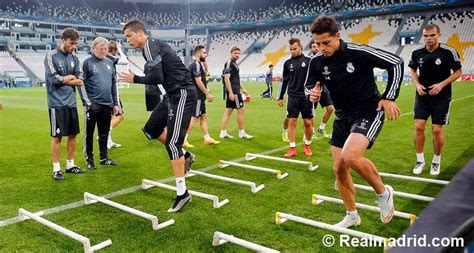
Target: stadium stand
x=259, y=46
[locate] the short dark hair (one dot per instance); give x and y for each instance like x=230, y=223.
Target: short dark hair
x=271, y=65
x=134, y=25
x=311, y=42
x=198, y=48
x=432, y=26
x=294, y=40
x=69, y=33
x=324, y=24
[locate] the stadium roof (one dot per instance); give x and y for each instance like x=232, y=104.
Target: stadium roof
x=172, y=1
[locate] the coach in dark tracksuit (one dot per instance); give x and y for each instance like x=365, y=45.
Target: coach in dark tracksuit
x=166, y=68
x=100, y=99
x=346, y=69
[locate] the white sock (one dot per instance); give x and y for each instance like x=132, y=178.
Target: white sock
x=307, y=142
x=436, y=159
x=292, y=144
x=207, y=137
x=56, y=167
x=180, y=185
x=241, y=132
x=186, y=137
x=70, y=163
x=384, y=195
x=285, y=131
x=420, y=157
x=110, y=131
x=353, y=214
x=322, y=126
x=223, y=132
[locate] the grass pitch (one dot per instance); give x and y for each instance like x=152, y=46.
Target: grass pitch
x=25, y=178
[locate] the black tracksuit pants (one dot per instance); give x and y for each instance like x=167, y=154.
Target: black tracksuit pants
x=100, y=115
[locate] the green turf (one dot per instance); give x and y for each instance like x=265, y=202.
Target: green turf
x=25, y=179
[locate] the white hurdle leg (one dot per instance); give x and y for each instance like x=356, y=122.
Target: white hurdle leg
x=91, y=198
x=251, y=156
x=224, y=164
x=146, y=184
x=317, y=199
x=221, y=238
x=24, y=215
x=253, y=185
x=418, y=179
x=283, y=217
x=396, y=193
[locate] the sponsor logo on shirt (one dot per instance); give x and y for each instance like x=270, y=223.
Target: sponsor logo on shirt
x=420, y=61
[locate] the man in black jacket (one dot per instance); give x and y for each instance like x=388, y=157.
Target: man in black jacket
x=346, y=69
x=294, y=77
x=166, y=68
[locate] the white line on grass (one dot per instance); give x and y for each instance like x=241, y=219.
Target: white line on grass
x=10, y=221
x=13, y=220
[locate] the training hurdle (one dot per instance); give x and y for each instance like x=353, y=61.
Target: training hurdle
x=251, y=156
x=417, y=179
x=25, y=215
x=147, y=184
x=396, y=193
x=283, y=217
x=91, y=199
x=221, y=238
x=317, y=199
x=253, y=186
x=280, y=176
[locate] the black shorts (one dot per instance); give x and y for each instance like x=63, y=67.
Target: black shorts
x=181, y=107
x=325, y=99
x=367, y=123
x=156, y=123
x=437, y=108
x=152, y=101
x=236, y=104
x=200, y=107
x=297, y=105
x=63, y=121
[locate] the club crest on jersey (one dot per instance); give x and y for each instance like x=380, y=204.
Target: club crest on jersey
x=303, y=64
x=108, y=66
x=72, y=64
x=438, y=61
x=350, y=68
